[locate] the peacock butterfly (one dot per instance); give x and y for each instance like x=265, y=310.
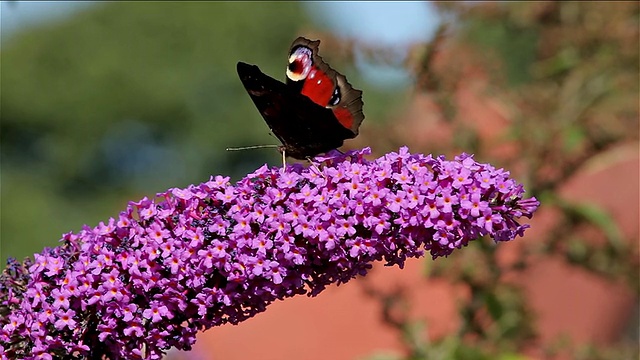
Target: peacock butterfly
x=314, y=111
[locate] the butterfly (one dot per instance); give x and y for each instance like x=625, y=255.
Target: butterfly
x=314, y=111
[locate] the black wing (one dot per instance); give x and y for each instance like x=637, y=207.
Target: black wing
x=305, y=128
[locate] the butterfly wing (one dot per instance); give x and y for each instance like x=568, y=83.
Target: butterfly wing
x=305, y=128
x=308, y=74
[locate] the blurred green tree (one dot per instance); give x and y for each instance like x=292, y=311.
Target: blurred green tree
x=125, y=99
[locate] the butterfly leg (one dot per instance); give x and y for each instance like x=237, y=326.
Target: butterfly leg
x=284, y=161
x=315, y=167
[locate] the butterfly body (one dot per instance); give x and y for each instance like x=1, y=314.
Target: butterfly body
x=314, y=111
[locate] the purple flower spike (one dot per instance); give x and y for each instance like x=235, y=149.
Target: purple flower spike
x=218, y=253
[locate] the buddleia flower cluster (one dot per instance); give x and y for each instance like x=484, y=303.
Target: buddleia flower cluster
x=217, y=253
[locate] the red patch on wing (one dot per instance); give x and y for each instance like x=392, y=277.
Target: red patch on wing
x=344, y=116
x=318, y=87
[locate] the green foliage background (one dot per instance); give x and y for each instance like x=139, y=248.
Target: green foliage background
x=124, y=100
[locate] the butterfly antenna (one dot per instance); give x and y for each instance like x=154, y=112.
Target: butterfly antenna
x=251, y=147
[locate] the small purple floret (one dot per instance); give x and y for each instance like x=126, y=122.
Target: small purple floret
x=219, y=253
